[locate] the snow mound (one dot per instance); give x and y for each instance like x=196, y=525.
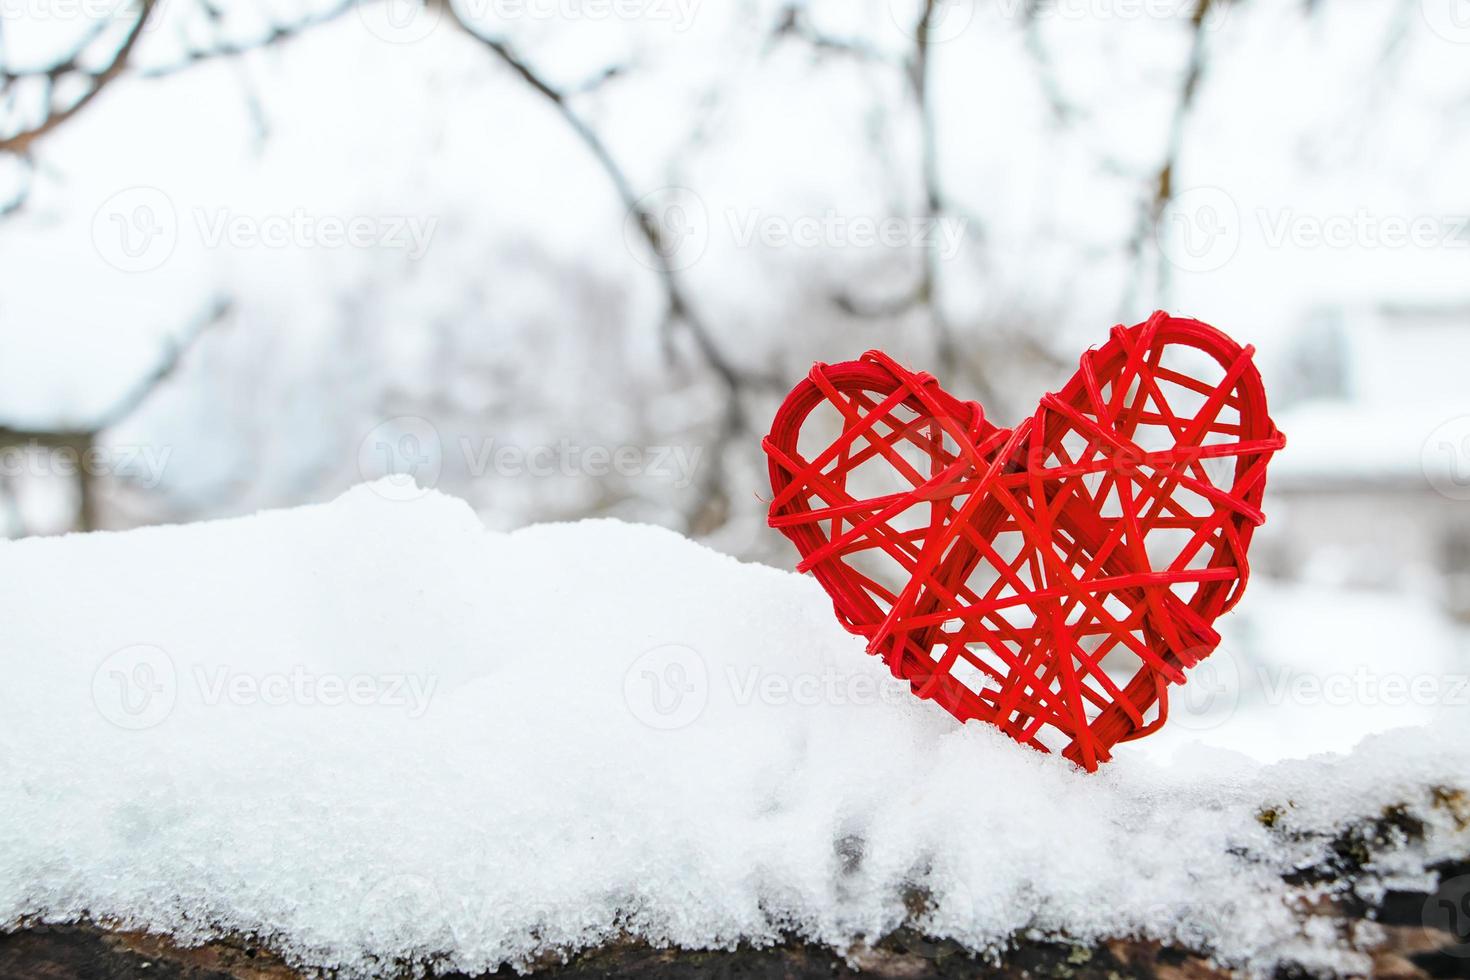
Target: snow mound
x=374, y=731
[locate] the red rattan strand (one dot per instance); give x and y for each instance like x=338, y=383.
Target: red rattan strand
x=1019, y=640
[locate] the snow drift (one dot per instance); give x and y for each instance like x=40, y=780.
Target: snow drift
x=374, y=731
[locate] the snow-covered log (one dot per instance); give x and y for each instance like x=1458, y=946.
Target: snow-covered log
x=371, y=736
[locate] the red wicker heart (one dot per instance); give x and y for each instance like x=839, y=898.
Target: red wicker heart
x=1053, y=579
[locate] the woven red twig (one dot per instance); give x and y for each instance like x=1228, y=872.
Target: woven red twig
x=1052, y=579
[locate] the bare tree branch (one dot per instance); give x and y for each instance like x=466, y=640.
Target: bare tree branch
x=1062, y=110
x=21, y=142
x=82, y=440
x=168, y=362
x=792, y=23
x=278, y=34
x=937, y=207
x=1161, y=183
x=679, y=308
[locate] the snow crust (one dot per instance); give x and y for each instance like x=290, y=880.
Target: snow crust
x=374, y=731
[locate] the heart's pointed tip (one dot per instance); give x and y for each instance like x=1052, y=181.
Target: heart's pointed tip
x=1086, y=761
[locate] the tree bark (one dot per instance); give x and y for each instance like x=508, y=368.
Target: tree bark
x=1407, y=934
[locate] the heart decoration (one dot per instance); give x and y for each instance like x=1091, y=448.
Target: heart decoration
x=1052, y=579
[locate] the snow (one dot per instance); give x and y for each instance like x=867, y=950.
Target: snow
x=1396, y=443
x=374, y=730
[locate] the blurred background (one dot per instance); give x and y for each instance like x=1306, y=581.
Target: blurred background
x=562, y=258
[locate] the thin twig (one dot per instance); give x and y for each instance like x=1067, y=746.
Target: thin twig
x=1161, y=183
x=20, y=142
x=679, y=308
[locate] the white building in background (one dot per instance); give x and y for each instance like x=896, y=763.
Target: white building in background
x=1373, y=488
